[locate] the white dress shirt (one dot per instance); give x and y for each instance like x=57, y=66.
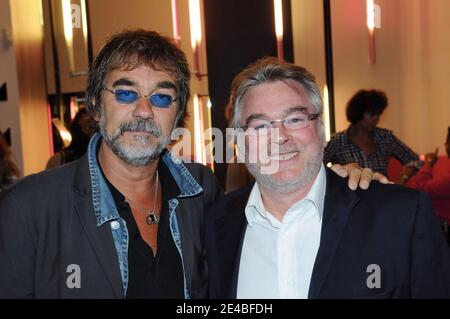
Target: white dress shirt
x=277, y=258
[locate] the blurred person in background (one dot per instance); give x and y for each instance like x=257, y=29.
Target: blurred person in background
x=437, y=186
x=237, y=173
x=82, y=128
x=9, y=172
x=365, y=143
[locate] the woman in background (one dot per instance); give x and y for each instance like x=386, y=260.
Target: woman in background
x=365, y=143
x=9, y=172
x=237, y=174
x=436, y=186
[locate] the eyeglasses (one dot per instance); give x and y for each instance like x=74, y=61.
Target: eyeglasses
x=129, y=97
x=291, y=122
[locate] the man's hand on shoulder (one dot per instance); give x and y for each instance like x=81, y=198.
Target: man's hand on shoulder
x=358, y=176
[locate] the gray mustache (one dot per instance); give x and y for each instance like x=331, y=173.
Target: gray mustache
x=140, y=126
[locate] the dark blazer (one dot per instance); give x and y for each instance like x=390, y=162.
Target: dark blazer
x=48, y=223
x=387, y=225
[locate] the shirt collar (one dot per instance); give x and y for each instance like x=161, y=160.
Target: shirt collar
x=186, y=183
x=317, y=192
x=255, y=207
x=169, y=188
x=103, y=201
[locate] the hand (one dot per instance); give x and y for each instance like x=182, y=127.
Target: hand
x=358, y=175
x=431, y=158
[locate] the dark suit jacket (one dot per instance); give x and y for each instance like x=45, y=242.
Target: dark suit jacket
x=387, y=225
x=47, y=224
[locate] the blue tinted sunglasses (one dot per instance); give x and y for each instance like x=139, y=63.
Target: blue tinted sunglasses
x=129, y=97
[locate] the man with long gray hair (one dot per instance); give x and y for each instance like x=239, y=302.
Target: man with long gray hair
x=126, y=220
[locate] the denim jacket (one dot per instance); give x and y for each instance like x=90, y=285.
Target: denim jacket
x=62, y=236
x=106, y=211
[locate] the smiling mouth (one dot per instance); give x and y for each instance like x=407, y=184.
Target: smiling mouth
x=283, y=157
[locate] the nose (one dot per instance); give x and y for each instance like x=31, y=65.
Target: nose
x=280, y=133
x=143, y=109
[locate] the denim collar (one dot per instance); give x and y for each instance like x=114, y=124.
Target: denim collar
x=104, y=205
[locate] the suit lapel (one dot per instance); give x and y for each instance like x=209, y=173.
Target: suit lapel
x=339, y=201
x=100, y=238
x=234, y=281
x=230, y=237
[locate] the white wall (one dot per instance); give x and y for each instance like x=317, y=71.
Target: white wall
x=22, y=65
x=111, y=16
x=412, y=48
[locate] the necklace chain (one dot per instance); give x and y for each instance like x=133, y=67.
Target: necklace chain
x=152, y=217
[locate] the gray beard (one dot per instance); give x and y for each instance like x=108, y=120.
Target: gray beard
x=310, y=171
x=132, y=155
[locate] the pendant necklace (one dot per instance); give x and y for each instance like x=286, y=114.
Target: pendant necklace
x=152, y=217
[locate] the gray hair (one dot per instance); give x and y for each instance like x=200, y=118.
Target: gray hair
x=268, y=69
x=133, y=48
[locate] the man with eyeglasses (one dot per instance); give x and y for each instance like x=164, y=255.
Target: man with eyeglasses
x=298, y=231
x=125, y=221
